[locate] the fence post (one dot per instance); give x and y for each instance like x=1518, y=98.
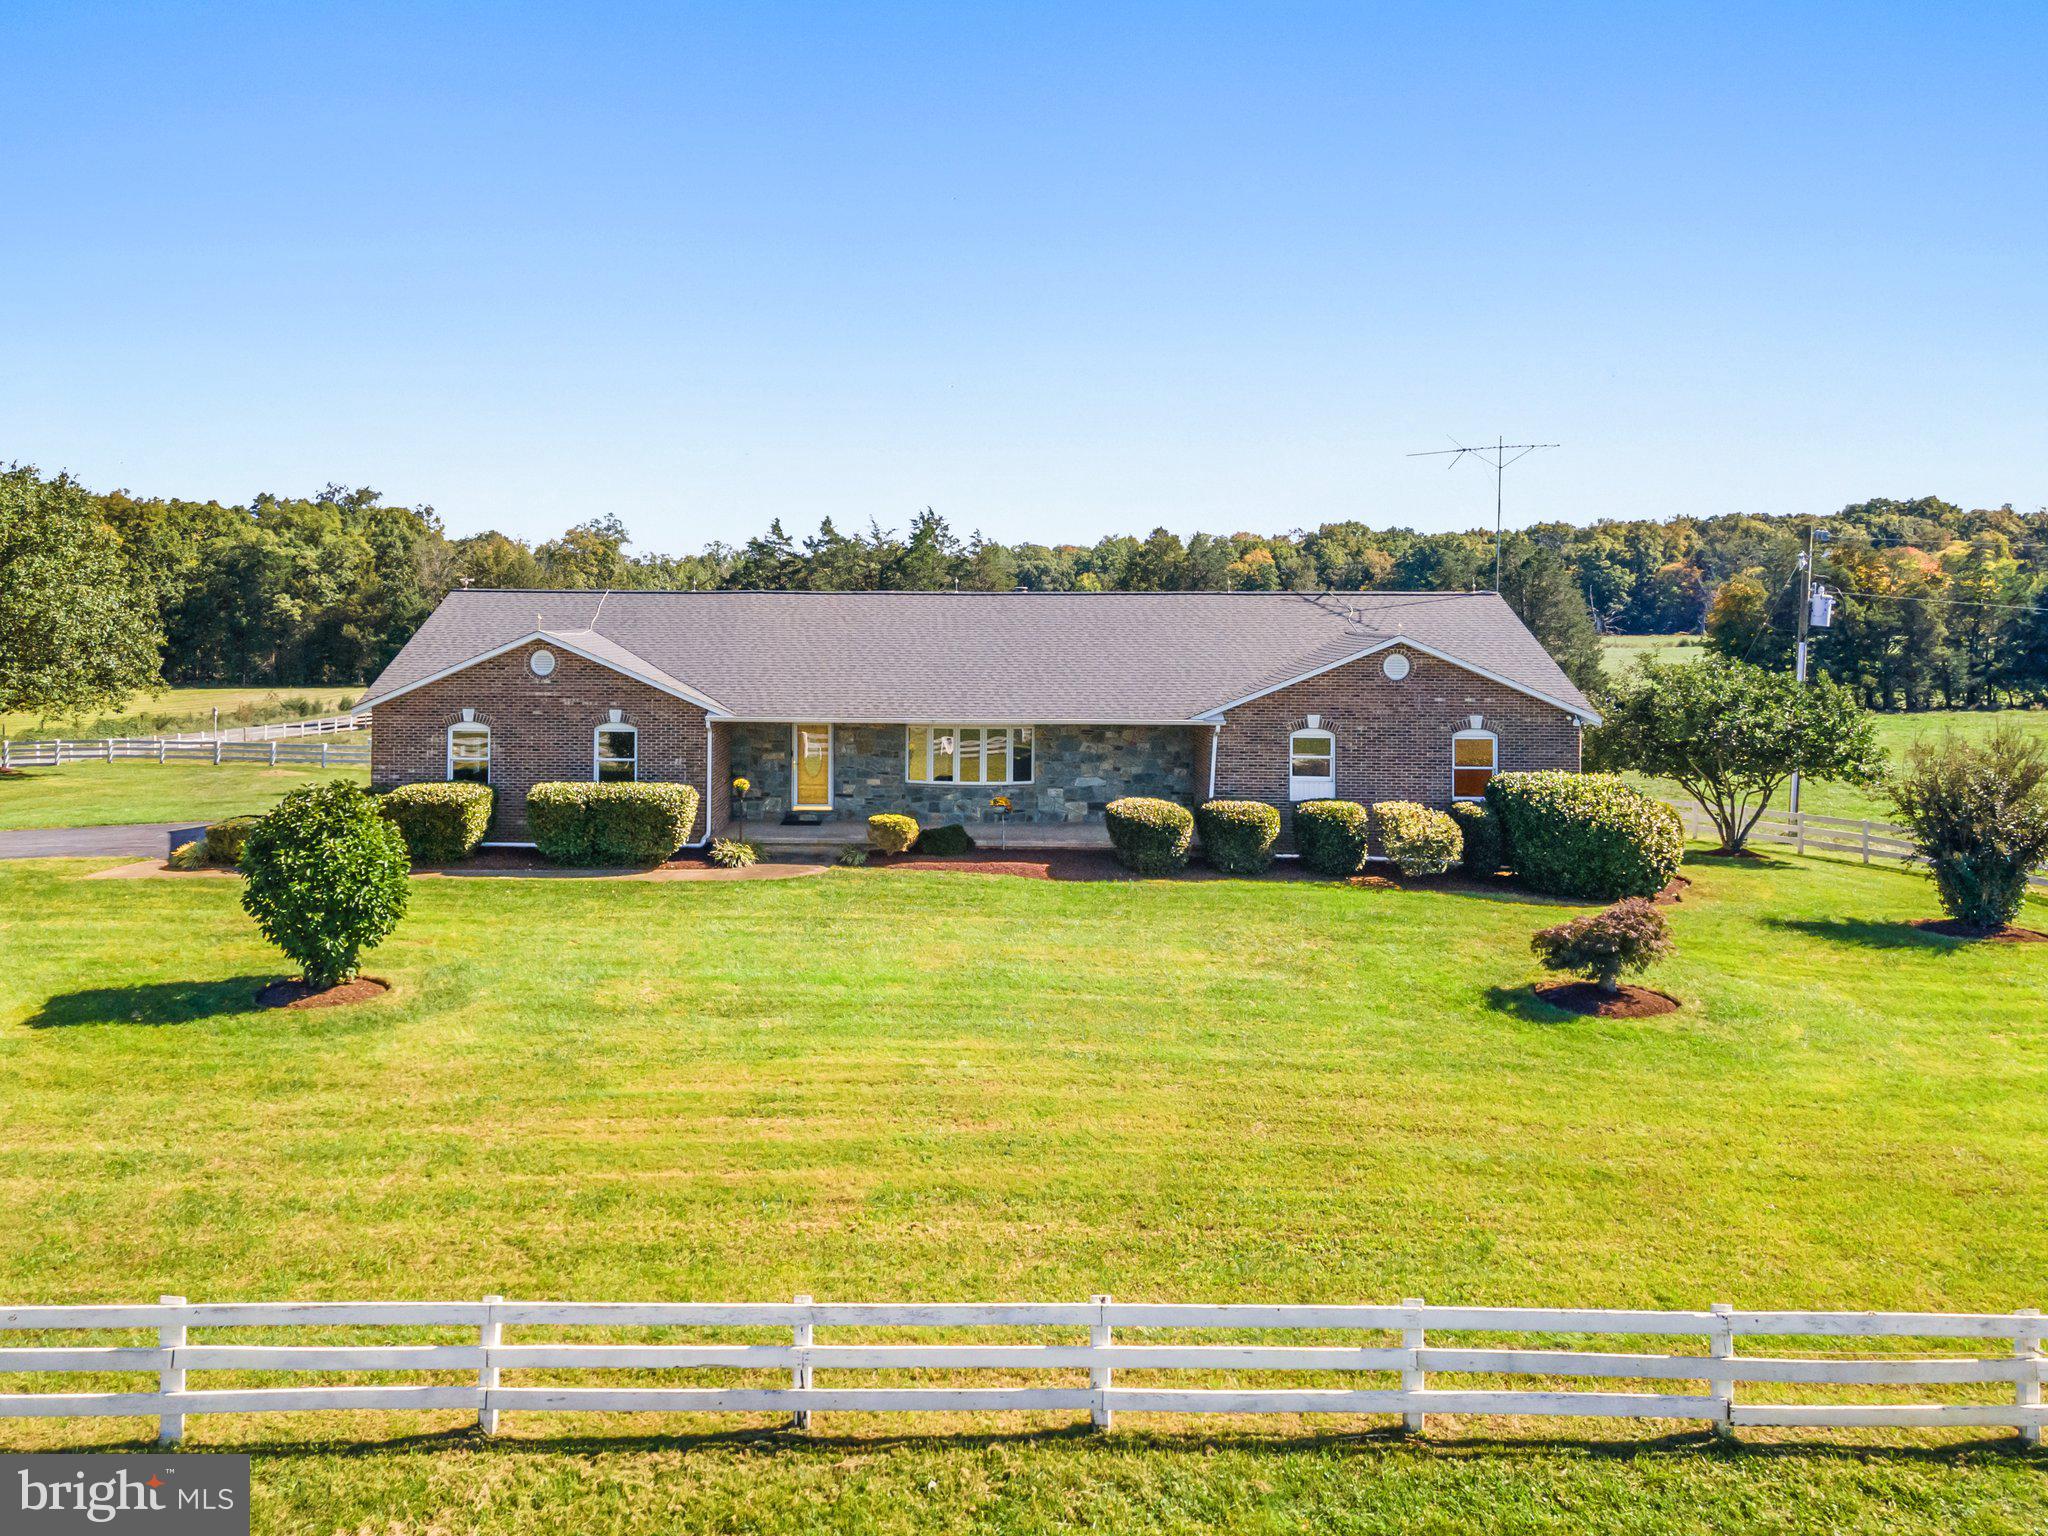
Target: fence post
x=1099, y=1375
x=159, y=749
x=2026, y=1343
x=323, y=759
x=170, y=1427
x=107, y=745
x=1722, y=1347
x=490, y=1336
x=216, y=751
x=1799, y=828
x=800, y=1373
x=1414, y=1378
x=273, y=752
x=6, y=753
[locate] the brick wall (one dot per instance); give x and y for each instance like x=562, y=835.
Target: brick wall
x=1393, y=738
x=542, y=730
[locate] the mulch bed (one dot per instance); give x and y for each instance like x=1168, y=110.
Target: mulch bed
x=296, y=994
x=1673, y=893
x=1585, y=997
x=1951, y=928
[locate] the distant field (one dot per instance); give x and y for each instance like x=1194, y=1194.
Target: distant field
x=194, y=706
x=1620, y=651
x=110, y=794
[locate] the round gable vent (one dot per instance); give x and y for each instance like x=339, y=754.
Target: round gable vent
x=1395, y=666
x=541, y=663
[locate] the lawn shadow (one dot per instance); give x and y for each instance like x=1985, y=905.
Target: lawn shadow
x=780, y=1439
x=1865, y=932
x=1522, y=1002
x=155, y=1004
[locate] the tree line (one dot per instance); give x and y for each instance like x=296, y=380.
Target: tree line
x=1938, y=605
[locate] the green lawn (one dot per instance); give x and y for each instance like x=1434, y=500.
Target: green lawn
x=107, y=794
x=191, y=708
x=885, y=1085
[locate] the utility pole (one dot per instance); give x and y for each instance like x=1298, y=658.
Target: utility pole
x=1502, y=455
x=1805, y=616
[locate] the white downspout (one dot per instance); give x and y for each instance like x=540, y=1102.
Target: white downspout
x=1215, y=739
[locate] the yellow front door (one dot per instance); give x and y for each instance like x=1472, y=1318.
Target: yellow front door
x=814, y=768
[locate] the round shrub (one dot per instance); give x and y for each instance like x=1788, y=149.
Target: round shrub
x=1332, y=836
x=327, y=879
x=1628, y=936
x=1586, y=835
x=1238, y=835
x=1416, y=839
x=1978, y=811
x=610, y=824
x=944, y=841
x=1481, y=830
x=441, y=823
x=733, y=853
x=890, y=833
x=1151, y=837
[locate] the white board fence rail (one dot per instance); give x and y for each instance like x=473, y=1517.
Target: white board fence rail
x=1869, y=841
x=1994, y=1360
x=165, y=749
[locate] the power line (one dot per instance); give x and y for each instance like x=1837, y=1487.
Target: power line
x=1967, y=602
x=1499, y=463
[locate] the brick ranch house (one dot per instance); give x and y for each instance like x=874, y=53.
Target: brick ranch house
x=836, y=705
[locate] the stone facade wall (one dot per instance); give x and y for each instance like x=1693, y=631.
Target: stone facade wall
x=1393, y=738
x=1077, y=770
x=542, y=730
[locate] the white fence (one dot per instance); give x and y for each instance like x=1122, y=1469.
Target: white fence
x=1402, y=1349
x=166, y=749
x=1806, y=833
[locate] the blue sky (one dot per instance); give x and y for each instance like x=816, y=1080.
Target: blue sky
x=1057, y=270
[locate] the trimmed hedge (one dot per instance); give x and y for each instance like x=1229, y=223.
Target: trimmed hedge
x=1332, y=836
x=1481, y=830
x=223, y=843
x=1586, y=835
x=1238, y=835
x=604, y=824
x=1416, y=839
x=1151, y=837
x=944, y=841
x=441, y=823
x=889, y=833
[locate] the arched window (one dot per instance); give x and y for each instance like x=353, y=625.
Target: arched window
x=615, y=758
x=469, y=752
x=1474, y=756
x=1311, y=766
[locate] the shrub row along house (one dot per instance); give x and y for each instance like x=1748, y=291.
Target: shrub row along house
x=836, y=705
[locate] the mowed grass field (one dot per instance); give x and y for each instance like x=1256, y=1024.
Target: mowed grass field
x=197, y=702
x=1894, y=731
x=130, y=790
x=874, y=1084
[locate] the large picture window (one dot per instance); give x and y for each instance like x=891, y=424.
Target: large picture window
x=1473, y=756
x=968, y=754
x=469, y=753
x=617, y=759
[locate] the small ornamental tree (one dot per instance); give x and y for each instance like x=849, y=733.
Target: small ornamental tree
x=1730, y=734
x=1628, y=936
x=1979, y=815
x=326, y=879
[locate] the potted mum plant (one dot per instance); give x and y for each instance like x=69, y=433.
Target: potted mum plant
x=740, y=787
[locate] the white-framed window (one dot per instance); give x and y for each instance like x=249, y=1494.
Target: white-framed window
x=615, y=754
x=967, y=754
x=469, y=752
x=1475, y=756
x=1311, y=766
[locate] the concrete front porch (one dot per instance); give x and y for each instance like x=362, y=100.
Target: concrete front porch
x=832, y=835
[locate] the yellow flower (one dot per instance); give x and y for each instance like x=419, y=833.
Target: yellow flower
x=1001, y=802
x=740, y=786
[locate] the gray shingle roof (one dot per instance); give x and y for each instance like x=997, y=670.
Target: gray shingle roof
x=1111, y=657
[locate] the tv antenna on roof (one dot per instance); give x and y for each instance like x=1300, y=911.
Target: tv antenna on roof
x=1497, y=458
